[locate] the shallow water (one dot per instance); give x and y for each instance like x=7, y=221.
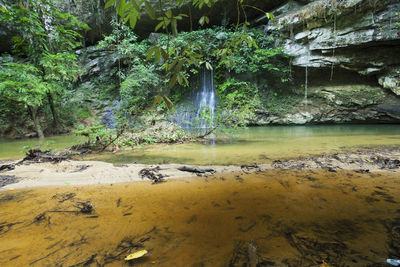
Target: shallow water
x=263, y=145
x=294, y=218
x=14, y=149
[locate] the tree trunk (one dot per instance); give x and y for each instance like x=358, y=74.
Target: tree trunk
x=36, y=122
x=56, y=122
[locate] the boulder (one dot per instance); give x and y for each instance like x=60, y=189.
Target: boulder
x=391, y=80
x=98, y=62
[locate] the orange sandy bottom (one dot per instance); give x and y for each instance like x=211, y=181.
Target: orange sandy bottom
x=295, y=218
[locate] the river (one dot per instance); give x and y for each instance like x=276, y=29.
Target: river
x=269, y=218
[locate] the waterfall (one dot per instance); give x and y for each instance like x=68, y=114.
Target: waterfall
x=306, y=78
x=197, y=110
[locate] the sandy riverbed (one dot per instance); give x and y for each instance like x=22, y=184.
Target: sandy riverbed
x=73, y=172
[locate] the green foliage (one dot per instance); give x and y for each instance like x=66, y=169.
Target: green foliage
x=266, y=57
x=21, y=83
x=60, y=68
x=41, y=28
x=45, y=38
x=138, y=88
x=282, y=102
x=240, y=99
x=176, y=59
x=140, y=79
x=121, y=33
x=191, y=50
x=98, y=136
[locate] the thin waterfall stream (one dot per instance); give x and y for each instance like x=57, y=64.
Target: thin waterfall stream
x=197, y=110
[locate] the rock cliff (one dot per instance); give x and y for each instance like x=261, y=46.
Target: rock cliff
x=349, y=52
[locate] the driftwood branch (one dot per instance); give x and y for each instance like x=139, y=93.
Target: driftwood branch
x=120, y=132
x=195, y=169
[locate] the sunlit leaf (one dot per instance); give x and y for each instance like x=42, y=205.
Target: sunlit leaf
x=164, y=54
x=109, y=3
x=168, y=13
x=150, y=10
x=270, y=15
x=132, y=20
x=203, y=20
x=151, y=52
x=136, y=255
x=168, y=102
x=157, y=100
x=172, y=81
x=159, y=25
x=157, y=55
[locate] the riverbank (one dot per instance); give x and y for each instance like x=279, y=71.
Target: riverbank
x=72, y=172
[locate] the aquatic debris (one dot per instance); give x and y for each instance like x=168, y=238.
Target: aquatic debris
x=393, y=262
x=40, y=217
x=81, y=168
x=137, y=254
x=36, y=155
x=152, y=174
x=85, y=207
x=363, y=171
x=250, y=167
x=7, y=179
x=195, y=169
x=7, y=167
x=386, y=163
x=5, y=227
x=64, y=197
x=247, y=227
x=252, y=254
x=311, y=248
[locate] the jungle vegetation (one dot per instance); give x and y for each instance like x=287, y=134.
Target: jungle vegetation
x=39, y=78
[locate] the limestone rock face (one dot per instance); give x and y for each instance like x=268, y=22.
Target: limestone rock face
x=391, y=80
x=339, y=104
x=97, y=62
x=357, y=35
x=355, y=42
x=91, y=12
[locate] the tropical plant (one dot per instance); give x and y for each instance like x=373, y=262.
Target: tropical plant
x=175, y=59
x=45, y=38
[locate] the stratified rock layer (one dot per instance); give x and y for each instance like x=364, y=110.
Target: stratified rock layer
x=351, y=49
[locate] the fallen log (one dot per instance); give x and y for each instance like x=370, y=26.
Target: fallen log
x=195, y=169
x=37, y=155
x=7, y=167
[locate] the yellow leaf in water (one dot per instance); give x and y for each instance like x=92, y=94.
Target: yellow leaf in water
x=136, y=255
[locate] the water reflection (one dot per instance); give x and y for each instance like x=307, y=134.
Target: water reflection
x=264, y=144
x=14, y=149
